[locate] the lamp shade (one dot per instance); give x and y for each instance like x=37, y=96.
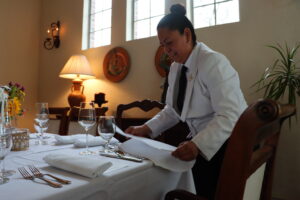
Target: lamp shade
x=77, y=67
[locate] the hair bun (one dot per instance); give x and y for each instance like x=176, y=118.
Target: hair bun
x=178, y=9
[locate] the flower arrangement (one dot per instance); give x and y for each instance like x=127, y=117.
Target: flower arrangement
x=15, y=95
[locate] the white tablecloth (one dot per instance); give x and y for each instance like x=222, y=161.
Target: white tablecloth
x=124, y=180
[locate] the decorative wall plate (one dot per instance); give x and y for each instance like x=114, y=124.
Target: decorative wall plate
x=162, y=61
x=116, y=64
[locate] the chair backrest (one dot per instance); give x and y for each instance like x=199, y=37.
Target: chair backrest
x=58, y=117
x=253, y=143
x=172, y=136
x=124, y=122
x=145, y=105
x=72, y=125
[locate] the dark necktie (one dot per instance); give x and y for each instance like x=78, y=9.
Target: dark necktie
x=181, y=90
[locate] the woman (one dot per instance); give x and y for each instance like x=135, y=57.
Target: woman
x=204, y=91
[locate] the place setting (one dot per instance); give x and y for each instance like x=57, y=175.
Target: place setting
x=106, y=127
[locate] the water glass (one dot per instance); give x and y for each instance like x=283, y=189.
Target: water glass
x=87, y=119
x=42, y=117
x=106, y=129
x=5, y=128
x=5, y=147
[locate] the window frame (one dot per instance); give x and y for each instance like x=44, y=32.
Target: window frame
x=87, y=16
x=215, y=3
x=130, y=23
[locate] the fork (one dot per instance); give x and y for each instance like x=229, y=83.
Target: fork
x=37, y=173
x=28, y=176
x=25, y=173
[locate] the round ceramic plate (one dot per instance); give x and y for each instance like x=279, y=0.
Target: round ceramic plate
x=116, y=64
x=162, y=61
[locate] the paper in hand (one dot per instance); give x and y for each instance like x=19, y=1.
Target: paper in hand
x=158, y=152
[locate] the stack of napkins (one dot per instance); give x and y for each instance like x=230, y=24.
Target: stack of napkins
x=90, y=167
x=79, y=140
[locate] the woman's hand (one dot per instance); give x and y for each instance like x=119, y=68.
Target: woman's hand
x=186, y=151
x=142, y=131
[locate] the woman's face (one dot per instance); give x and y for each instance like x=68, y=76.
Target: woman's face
x=177, y=46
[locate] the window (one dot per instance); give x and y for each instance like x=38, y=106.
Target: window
x=213, y=12
x=143, y=17
x=97, y=23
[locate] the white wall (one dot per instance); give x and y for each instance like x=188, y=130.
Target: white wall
x=262, y=22
x=19, y=49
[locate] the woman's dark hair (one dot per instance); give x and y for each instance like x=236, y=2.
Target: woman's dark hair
x=177, y=20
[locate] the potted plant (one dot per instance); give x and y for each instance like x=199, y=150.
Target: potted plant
x=283, y=77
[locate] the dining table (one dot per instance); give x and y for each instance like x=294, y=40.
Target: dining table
x=124, y=179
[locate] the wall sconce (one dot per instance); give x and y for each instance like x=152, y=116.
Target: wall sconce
x=53, y=39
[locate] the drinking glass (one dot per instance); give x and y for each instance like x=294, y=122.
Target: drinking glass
x=5, y=147
x=87, y=119
x=42, y=118
x=106, y=129
x=5, y=128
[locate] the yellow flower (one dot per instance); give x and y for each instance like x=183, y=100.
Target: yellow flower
x=15, y=108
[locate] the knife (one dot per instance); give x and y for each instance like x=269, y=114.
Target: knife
x=120, y=156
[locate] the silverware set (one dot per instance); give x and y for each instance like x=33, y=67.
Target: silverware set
x=37, y=174
x=121, y=155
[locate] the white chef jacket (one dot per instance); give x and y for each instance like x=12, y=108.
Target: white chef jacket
x=213, y=100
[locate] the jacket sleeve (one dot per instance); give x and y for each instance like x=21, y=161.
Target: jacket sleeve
x=227, y=101
x=163, y=120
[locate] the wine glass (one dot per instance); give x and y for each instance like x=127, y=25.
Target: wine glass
x=5, y=147
x=87, y=119
x=106, y=129
x=42, y=118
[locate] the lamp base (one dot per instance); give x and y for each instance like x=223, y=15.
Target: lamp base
x=76, y=96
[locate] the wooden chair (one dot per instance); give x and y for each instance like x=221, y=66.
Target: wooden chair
x=58, y=117
x=253, y=143
x=145, y=105
x=172, y=136
x=72, y=125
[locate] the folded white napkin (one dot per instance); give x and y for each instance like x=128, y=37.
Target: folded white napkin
x=86, y=166
x=37, y=136
x=69, y=139
x=79, y=140
x=95, y=141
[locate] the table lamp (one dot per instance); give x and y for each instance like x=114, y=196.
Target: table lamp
x=78, y=69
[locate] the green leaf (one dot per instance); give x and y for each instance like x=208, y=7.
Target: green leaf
x=280, y=51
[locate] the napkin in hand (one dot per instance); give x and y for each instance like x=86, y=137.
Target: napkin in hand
x=158, y=152
x=90, y=167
